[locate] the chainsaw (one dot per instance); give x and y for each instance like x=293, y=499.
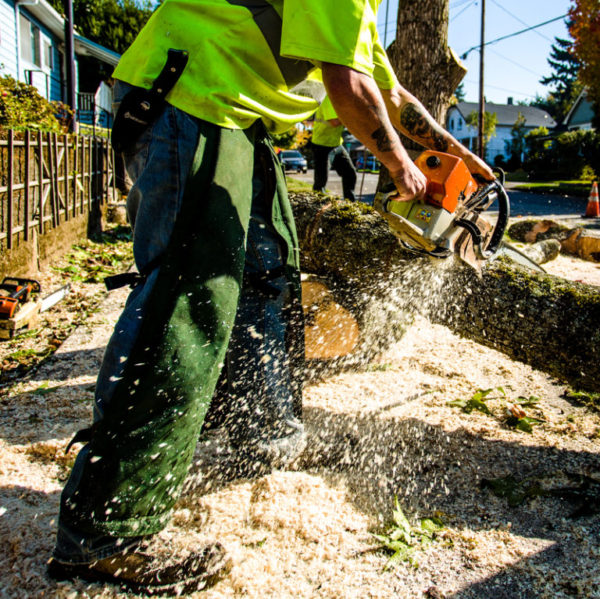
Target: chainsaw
x=15, y=291
x=448, y=220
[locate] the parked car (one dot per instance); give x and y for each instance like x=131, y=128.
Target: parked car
x=372, y=163
x=293, y=160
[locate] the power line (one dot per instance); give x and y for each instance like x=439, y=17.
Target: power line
x=518, y=19
x=387, y=10
x=518, y=64
x=505, y=37
x=502, y=89
x=460, y=12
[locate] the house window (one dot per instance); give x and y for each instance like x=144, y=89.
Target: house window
x=30, y=41
x=48, y=55
x=459, y=125
x=451, y=123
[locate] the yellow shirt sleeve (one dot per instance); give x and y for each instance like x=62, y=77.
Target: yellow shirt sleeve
x=383, y=72
x=342, y=32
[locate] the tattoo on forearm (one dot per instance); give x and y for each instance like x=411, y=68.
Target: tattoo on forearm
x=382, y=139
x=420, y=125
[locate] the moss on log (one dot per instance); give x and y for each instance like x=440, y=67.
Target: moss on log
x=545, y=321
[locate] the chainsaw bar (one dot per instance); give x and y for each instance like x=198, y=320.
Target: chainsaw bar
x=514, y=255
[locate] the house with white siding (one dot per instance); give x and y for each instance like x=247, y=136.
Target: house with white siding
x=581, y=114
x=507, y=115
x=32, y=49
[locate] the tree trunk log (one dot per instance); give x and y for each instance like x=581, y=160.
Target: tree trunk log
x=545, y=321
x=423, y=61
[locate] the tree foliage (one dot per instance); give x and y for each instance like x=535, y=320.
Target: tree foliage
x=570, y=155
x=563, y=80
x=113, y=24
x=585, y=30
x=459, y=93
x=490, y=120
x=516, y=145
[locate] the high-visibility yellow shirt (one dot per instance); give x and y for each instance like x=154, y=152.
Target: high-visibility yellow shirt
x=324, y=133
x=251, y=59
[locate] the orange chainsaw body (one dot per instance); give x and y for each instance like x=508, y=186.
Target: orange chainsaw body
x=15, y=291
x=448, y=179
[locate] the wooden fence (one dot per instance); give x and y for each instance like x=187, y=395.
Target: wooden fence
x=47, y=179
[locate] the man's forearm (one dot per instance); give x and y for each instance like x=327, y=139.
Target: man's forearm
x=360, y=106
x=410, y=117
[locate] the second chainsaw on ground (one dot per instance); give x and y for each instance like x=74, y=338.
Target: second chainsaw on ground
x=15, y=291
x=449, y=219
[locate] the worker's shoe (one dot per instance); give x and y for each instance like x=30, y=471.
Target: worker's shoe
x=229, y=456
x=150, y=568
x=281, y=450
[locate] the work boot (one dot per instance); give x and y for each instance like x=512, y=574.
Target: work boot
x=281, y=449
x=274, y=447
x=229, y=457
x=151, y=568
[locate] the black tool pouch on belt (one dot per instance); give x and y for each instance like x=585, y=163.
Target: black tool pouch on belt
x=141, y=107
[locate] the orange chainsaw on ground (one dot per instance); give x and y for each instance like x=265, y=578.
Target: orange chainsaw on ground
x=15, y=291
x=448, y=221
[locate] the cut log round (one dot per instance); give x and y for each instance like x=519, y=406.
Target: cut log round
x=542, y=251
x=330, y=330
x=545, y=321
x=574, y=241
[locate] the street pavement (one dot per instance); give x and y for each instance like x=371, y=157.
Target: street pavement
x=366, y=183
x=523, y=204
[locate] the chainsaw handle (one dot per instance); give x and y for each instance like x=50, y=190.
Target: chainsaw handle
x=501, y=222
x=499, y=227
x=483, y=181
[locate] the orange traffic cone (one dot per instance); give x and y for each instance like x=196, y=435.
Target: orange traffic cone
x=593, y=206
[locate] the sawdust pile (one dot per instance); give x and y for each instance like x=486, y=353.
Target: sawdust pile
x=374, y=435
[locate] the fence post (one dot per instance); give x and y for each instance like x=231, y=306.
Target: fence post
x=90, y=166
x=75, y=174
x=51, y=179
x=40, y=153
x=66, y=170
x=27, y=177
x=9, y=215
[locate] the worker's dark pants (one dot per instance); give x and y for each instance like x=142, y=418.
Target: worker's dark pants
x=210, y=211
x=341, y=164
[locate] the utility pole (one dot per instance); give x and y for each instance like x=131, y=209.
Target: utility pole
x=480, y=150
x=71, y=99
x=387, y=11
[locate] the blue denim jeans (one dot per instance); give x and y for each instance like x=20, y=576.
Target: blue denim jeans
x=258, y=392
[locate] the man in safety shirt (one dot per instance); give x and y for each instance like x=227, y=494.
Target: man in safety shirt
x=217, y=300
x=327, y=143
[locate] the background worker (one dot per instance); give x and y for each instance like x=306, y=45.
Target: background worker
x=327, y=146
x=218, y=296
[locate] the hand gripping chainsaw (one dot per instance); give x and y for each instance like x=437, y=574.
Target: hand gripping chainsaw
x=449, y=219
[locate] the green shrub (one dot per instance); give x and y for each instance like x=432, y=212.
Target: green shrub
x=570, y=155
x=22, y=107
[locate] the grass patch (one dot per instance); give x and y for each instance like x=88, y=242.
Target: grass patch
x=573, y=188
x=296, y=186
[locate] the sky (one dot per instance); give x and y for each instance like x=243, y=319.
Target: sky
x=513, y=67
